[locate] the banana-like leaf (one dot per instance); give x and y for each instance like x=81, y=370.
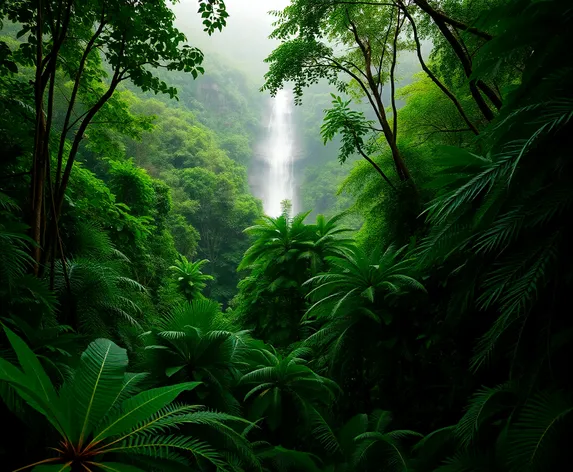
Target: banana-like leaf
x=33, y=385
x=135, y=411
x=32, y=368
x=97, y=383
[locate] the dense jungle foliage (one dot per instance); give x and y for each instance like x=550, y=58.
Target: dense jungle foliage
x=154, y=319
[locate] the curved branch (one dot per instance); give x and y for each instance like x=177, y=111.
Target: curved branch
x=372, y=163
x=435, y=79
x=427, y=8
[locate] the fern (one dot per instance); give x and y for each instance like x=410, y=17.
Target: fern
x=482, y=406
x=535, y=434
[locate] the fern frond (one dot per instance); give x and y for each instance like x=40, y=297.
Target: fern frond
x=533, y=436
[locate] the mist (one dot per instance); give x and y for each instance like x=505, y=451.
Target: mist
x=244, y=43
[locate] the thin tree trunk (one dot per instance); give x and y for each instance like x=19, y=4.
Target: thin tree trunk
x=61, y=190
x=442, y=24
x=433, y=77
x=401, y=168
x=393, y=78
x=372, y=163
x=73, y=96
x=38, y=166
x=427, y=8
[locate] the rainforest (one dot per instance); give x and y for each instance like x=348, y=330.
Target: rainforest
x=286, y=235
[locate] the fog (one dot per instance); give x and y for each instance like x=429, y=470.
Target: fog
x=244, y=43
x=277, y=169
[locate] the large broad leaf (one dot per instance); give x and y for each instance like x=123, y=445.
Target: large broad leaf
x=21, y=385
x=97, y=384
x=137, y=411
x=33, y=369
x=32, y=385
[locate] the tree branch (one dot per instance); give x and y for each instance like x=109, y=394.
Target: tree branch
x=71, y=103
x=434, y=78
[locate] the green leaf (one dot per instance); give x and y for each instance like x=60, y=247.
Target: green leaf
x=96, y=385
x=24, y=388
x=481, y=407
x=170, y=448
x=323, y=432
x=170, y=371
x=137, y=410
x=33, y=385
x=32, y=368
x=533, y=437
x=369, y=293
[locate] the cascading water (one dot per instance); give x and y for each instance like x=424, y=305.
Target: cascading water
x=278, y=184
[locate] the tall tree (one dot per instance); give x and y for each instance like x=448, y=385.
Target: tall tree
x=73, y=37
x=357, y=42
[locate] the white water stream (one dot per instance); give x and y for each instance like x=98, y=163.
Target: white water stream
x=278, y=154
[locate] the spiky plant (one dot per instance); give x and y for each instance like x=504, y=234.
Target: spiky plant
x=195, y=342
x=97, y=297
x=20, y=291
x=356, y=293
x=14, y=244
x=501, y=220
x=283, y=389
x=102, y=421
x=330, y=239
x=191, y=281
x=377, y=448
x=270, y=301
x=279, y=244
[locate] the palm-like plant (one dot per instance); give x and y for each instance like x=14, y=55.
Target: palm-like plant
x=285, y=253
x=531, y=436
x=378, y=446
x=195, y=342
x=500, y=221
x=358, y=289
x=356, y=315
x=329, y=240
x=286, y=384
x=279, y=244
x=14, y=243
x=103, y=422
x=191, y=281
x=97, y=297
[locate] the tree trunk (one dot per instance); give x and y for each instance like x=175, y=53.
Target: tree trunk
x=441, y=22
x=401, y=168
x=38, y=163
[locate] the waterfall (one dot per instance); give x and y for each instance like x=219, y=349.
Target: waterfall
x=278, y=154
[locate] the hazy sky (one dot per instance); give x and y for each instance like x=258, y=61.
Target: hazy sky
x=244, y=41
